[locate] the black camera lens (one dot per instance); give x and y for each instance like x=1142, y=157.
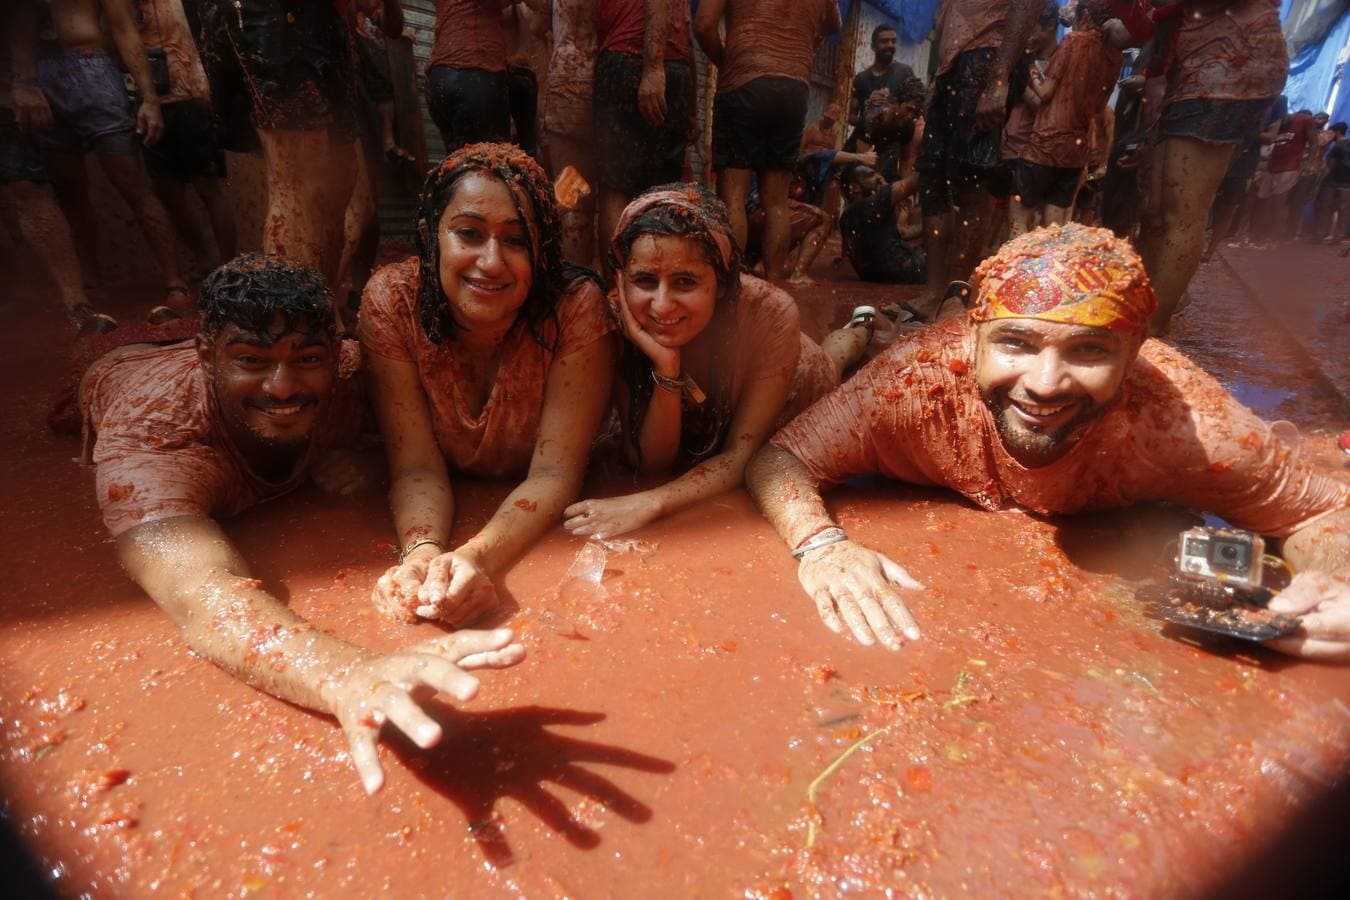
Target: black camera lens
x=1229, y=556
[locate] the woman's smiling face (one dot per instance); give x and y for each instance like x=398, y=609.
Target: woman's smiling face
x=485, y=265
x=670, y=288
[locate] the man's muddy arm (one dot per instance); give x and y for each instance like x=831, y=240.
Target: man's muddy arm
x=652, y=86
x=787, y=494
x=190, y=568
x=1017, y=28
x=122, y=27
x=19, y=28
x=706, y=30
x=1323, y=546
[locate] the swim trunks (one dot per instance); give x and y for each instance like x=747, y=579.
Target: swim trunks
x=1036, y=185
x=632, y=154
x=90, y=107
x=292, y=59
x=1214, y=121
x=758, y=126
x=953, y=153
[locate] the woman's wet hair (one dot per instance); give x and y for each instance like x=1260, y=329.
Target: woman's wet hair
x=253, y=290
x=677, y=221
x=696, y=216
x=532, y=193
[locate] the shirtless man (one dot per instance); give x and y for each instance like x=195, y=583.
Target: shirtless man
x=293, y=61
x=186, y=432
x=819, y=135
x=980, y=44
x=1050, y=399
x=566, y=130
x=1226, y=64
x=764, y=71
x=26, y=201
x=81, y=79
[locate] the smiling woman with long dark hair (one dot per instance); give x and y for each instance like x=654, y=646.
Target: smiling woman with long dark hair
x=487, y=355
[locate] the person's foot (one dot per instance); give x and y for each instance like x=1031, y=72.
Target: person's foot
x=161, y=314
x=801, y=279
x=179, y=298
x=89, y=321
x=863, y=317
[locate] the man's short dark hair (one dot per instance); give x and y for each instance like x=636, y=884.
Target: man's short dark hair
x=1339, y=128
x=882, y=29
x=252, y=290
x=1304, y=112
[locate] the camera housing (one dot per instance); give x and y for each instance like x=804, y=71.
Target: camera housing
x=1224, y=555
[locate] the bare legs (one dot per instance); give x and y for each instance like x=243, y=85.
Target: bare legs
x=733, y=186
x=578, y=225
x=819, y=227
x=953, y=244
x=360, y=238
x=309, y=181
x=773, y=192
x=33, y=213
x=846, y=345
x=1184, y=178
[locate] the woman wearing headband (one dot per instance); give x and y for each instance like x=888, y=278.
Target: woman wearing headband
x=490, y=357
x=715, y=359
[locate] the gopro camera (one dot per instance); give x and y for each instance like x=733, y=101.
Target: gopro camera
x=1224, y=555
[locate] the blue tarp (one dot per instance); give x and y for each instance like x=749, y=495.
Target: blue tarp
x=916, y=17
x=1312, y=72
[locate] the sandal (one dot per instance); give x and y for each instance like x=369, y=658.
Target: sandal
x=89, y=322
x=161, y=314
x=865, y=316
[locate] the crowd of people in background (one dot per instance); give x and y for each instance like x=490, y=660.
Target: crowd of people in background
x=566, y=272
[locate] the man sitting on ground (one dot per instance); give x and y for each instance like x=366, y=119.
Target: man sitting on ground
x=185, y=432
x=1049, y=399
x=876, y=240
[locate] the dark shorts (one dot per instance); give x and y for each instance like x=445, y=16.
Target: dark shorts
x=469, y=105
x=372, y=67
x=759, y=125
x=631, y=153
x=1035, y=185
x=953, y=153
x=291, y=60
x=189, y=148
x=1214, y=121
x=523, y=90
x=20, y=159
x=90, y=107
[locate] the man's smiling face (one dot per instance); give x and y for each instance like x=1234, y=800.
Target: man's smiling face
x=1045, y=381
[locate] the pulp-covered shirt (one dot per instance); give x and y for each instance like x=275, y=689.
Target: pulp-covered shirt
x=499, y=440
x=159, y=445
x=620, y=26
x=968, y=25
x=1084, y=68
x=469, y=35
x=1175, y=435
x=771, y=37
x=1227, y=51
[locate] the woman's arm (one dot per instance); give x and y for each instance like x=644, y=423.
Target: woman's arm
x=576, y=396
x=419, y=491
x=756, y=412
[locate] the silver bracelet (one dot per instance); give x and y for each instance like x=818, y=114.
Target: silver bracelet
x=823, y=539
x=407, y=551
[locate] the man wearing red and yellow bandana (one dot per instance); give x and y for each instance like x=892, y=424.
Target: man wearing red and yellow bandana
x=1051, y=399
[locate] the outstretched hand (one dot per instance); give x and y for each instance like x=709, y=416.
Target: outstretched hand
x=390, y=688
x=602, y=519
x=449, y=587
x=854, y=586
x=1322, y=601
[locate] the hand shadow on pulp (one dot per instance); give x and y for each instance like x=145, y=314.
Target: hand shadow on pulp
x=488, y=756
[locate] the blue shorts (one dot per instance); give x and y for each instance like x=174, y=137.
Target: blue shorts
x=1215, y=121
x=90, y=107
